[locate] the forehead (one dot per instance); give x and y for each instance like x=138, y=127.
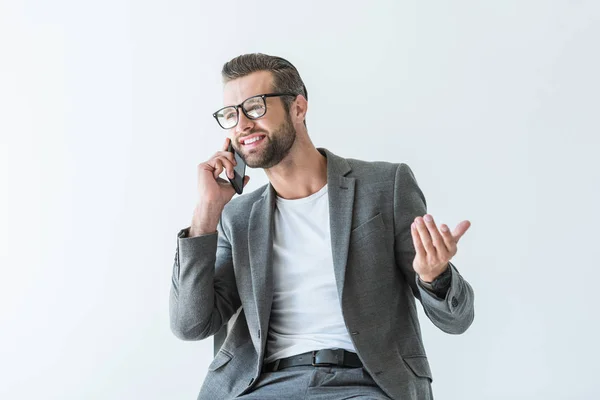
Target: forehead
x=240, y=89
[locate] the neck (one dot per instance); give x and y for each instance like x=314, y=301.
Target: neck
x=301, y=173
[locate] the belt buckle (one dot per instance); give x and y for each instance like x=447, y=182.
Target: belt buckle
x=314, y=362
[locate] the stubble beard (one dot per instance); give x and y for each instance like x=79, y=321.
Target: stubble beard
x=276, y=147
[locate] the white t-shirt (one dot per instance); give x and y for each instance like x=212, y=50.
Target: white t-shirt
x=306, y=313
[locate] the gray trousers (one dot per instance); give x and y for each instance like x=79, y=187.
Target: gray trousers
x=318, y=383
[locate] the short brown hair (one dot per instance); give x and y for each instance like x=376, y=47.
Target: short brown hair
x=286, y=77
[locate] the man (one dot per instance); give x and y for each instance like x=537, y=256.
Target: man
x=325, y=261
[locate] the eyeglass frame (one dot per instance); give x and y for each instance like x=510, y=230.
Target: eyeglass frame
x=237, y=107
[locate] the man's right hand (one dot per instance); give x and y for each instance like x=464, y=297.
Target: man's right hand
x=214, y=192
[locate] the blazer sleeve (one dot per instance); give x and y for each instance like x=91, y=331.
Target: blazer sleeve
x=454, y=313
x=203, y=294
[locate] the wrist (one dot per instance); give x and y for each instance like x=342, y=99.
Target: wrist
x=426, y=278
x=203, y=223
x=430, y=278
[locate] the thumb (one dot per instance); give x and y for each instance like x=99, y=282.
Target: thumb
x=246, y=180
x=460, y=229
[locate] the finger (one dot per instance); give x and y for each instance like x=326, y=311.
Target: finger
x=226, y=164
x=217, y=168
x=436, y=237
x=246, y=179
x=448, y=239
x=461, y=229
x=425, y=237
x=227, y=154
x=229, y=168
x=419, y=249
x=226, y=144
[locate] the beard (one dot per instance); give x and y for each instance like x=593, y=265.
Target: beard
x=274, y=147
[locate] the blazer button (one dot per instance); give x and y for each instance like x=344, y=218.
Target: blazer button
x=454, y=302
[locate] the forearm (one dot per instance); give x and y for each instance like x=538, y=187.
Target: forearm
x=202, y=298
x=205, y=219
x=454, y=312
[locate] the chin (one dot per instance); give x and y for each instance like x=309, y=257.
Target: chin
x=256, y=158
x=257, y=163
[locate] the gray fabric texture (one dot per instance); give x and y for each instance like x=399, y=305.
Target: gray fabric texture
x=371, y=207
x=316, y=383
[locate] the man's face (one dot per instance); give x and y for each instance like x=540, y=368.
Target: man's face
x=274, y=130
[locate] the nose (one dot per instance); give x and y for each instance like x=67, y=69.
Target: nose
x=244, y=124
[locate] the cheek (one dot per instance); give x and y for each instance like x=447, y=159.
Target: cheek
x=263, y=126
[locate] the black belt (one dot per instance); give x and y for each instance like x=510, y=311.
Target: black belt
x=317, y=358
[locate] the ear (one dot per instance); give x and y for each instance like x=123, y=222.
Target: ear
x=299, y=108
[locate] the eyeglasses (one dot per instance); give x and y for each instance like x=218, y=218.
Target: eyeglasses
x=253, y=107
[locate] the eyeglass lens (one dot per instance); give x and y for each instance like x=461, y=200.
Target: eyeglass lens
x=254, y=107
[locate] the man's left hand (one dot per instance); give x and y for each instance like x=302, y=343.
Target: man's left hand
x=434, y=249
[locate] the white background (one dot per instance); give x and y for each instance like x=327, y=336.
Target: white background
x=105, y=111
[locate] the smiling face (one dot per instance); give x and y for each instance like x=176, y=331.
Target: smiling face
x=262, y=142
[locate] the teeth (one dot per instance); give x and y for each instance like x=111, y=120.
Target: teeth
x=254, y=139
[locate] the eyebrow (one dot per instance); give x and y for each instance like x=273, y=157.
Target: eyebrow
x=234, y=105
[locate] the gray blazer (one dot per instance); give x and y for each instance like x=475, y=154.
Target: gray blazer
x=371, y=207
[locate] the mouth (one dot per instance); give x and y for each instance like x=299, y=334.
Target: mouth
x=253, y=141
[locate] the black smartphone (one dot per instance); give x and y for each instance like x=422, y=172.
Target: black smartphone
x=239, y=171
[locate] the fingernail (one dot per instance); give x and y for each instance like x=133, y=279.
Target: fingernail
x=444, y=228
x=428, y=218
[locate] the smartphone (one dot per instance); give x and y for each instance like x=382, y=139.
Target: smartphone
x=239, y=171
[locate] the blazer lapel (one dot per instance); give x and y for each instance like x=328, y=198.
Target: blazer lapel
x=260, y=238
x=260, y=248
x=341, y=201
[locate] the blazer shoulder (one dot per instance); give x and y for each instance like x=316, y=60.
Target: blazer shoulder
x=240, y=206
x=383, y=171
